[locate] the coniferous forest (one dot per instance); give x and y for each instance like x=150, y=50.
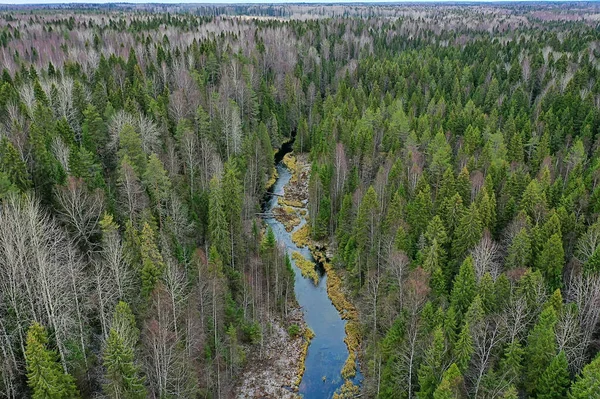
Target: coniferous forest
x=445, y=158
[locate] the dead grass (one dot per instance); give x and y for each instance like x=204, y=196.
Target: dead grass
x=308, y=336
x=301, y=237
x=307, y=268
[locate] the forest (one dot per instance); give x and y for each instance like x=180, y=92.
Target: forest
x=452, y=184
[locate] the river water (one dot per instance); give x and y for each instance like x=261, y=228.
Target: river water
x=327, y=351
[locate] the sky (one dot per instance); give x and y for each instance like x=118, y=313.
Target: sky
x=225, y=1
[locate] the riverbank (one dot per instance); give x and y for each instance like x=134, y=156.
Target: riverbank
x=275, y=373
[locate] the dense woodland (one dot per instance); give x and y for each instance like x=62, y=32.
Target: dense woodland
x=455, y=177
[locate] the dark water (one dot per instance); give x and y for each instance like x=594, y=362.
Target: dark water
x=327, y=351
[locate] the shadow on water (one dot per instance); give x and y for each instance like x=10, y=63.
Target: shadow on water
x=327, y=351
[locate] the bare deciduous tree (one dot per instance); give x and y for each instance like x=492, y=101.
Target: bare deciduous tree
x=486, y=257
x=80, y=210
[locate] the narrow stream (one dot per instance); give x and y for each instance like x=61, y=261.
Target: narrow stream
x=327, y=351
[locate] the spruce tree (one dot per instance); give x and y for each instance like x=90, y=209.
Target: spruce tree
x=45, y=375
x=551, y=261
x=464, y=288
x=451, y=385
x=152, y=260
x=122, y=374
x=467, y=234
x=430, y=370
x=587, y=384
x=540, y=349
x=555, y=381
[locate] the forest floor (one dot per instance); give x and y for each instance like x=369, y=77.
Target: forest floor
x=274, y=373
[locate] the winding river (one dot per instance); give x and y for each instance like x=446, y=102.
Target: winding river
x=327, y=351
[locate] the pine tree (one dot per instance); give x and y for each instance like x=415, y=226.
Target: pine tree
x=13, y=166
x=555, y=381
x=232, y=191
x=533, y=201
x=486, y=207
x=418, y=212
x=463, y=186
x=344, y=227
x=94, y=135
x=157, y=182
x=452, y=212
x=45, y=376
x=511, y=364
x=366, y=227
x=519, y=251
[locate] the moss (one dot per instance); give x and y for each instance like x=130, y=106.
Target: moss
x=307, y=268
x=301, y=237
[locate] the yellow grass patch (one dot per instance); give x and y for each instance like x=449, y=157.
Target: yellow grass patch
x=290, y=162
x=308, y=336
x=301, y=237
x=273, y=178
x=347, y=312
x=347, y=391
x=291, y=202
x=307, y=268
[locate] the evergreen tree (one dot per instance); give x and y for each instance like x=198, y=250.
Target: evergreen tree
x=519, y=251
x=464, y=348
x=551, y=261
x=540, y=349
x=152, y=260
x=587, y=384
x=157, y=182
x=555, y=381
x=122, y=375
x=464, y=288
x=430, y=370
x=467, y=234
x=232, y=191
x=450, y=387
x=217, y=222
x=45, y=375
x=130, y=145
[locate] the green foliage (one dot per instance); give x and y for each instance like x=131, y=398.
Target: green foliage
x=45, y=375
x=430, y=370
x=587, y=384
x=540, y=349
x=464, y=288
x=555, y=381
x=152, y=260
x=122, y=374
